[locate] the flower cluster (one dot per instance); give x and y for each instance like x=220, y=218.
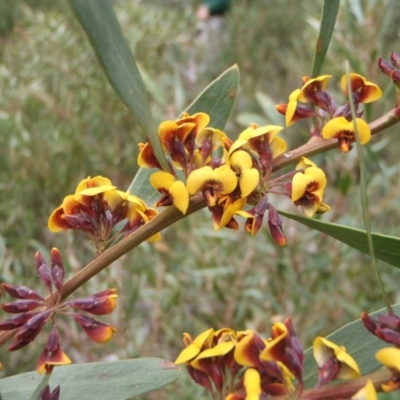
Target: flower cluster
x=331, y=120
x=241, y=366
x=230, y=175
x=32, y=312
x=102, y=212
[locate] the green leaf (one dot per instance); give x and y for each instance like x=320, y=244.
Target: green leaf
x=217, y=100
x=328, y=20
x=387, y=248
x=359, y=343
x=105, y=34
x=118, y=380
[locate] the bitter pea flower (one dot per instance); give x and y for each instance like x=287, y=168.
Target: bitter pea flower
x=308, y=189
x=98, y=208
x=343, y=130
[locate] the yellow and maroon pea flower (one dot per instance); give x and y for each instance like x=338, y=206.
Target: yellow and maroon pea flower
x=146, y=157
x=308, y=189
x=284, y=347
x=97, y=331
x=264, y=142
x=254, y=216
x=52, y=354
x=293, y=111
x=242, y=164
x=313, y=91
x=248, y=349
x=362, y=90
x=213, y=183
x=343, y=130
x=390, y=358
x=200, y=121
x=223, y=216
x=174, y=192
x=139, y=214
x=97, y=304
x=193, y=347
x=172, y=137
x=333, y=362
x=209, y=140
x=367, y=392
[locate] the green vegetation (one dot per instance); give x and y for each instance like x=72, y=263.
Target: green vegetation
x=60, y=121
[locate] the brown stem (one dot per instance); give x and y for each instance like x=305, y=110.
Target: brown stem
x=170, y=214
x=318, y=145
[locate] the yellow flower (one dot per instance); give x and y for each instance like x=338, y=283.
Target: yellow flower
x=174, y=192
x=390, y=358
x=333, y=361
x=241, y=163
x=363, y=91
x=343, y=130
x=308, y=189
x=212, y=182
x=312, y=87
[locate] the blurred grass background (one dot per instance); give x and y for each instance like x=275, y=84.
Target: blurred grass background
x=60, y=122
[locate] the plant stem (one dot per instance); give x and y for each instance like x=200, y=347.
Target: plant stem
x=170, y=214
x=364, y=200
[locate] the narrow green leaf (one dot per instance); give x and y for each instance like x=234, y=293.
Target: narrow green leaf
x=105, y=34
x=217, y=100
x=118, y=380
x=387, y=248
x=359, y=343
x=328, y=20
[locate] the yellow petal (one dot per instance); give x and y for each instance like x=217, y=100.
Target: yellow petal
x=161, y=180
x=278, y=146
x=198, y=178
x=248, y=181
x=228, y=178
x=240, y=160
x=92, y=182
x=180, y=196
x=389, y=357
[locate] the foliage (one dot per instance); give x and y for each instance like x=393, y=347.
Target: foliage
x=60, y=121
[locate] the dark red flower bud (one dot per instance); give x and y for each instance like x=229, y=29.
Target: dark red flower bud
x=17, y=344
x=384, y=66
x=33, y=326
x=21, y=292
x=368, y=322
x=57, y=269
x=21, y=306
x=95, y=305
x=275, y=227
x=97, y=331
x=43, y=270
x=395, y=59
x=16, y=321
